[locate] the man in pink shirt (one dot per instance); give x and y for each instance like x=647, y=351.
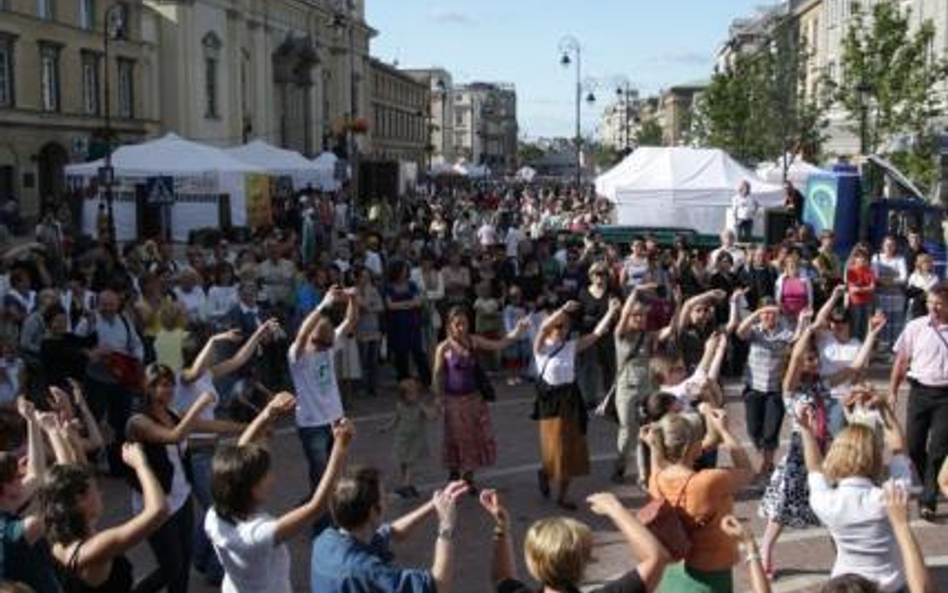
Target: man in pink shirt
x=922, y=357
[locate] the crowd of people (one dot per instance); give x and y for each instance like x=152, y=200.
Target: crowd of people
x=168, y=368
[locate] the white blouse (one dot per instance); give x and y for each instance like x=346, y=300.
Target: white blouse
x=855, y=513
x=558, y=369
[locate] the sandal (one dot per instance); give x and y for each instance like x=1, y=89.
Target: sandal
x=543, y=483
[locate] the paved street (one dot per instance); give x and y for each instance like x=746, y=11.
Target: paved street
x=803, y=557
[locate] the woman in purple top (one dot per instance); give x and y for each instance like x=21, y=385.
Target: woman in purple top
x=468, y=442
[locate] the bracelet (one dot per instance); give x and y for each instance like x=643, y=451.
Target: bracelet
x=752, y=557
x=500, y=530
x=446, y=534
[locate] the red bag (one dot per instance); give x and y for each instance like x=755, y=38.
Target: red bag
x=662, y=519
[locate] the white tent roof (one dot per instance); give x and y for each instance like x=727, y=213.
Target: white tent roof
x=798, y=172
x=272, y=158
x=326, y=160
x=526, y=173
x=680, y=187
x=168, y=155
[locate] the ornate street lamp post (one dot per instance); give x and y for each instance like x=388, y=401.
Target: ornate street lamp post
x=113, y=27
x=571, y=52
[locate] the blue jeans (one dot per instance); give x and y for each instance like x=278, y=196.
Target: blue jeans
x=205, y=558
x=317, y=445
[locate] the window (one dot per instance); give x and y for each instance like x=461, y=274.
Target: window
x=49, y=77
x=6, y=71
x=212, y=48
x=90, y=83
x=87, y=14
x=210, y=87
x=44, y=9
x=126, y=88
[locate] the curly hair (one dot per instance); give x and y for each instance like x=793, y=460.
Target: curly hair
x=59, y=503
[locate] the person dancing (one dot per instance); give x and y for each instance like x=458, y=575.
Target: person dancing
x=559, y=406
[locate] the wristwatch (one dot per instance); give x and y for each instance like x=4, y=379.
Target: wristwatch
x=446, y=533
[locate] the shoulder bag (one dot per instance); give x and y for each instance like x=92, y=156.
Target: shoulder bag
x=662, y=519
x=607, y=408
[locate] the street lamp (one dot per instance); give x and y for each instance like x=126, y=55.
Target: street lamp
x=572, y=52
x=624, y=95
x=441, y=91
x=343, y=21
x=864, y=90
x=114, y=26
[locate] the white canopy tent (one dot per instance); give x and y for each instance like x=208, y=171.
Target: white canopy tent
x=526, y=174
x=680, y=187
x=200, y=173
x=798, y=171
x=326, y=166
x=279, y=162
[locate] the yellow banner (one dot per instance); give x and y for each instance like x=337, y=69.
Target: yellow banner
x=259, y=209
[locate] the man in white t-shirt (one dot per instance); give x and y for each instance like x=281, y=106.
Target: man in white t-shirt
x=312, y=366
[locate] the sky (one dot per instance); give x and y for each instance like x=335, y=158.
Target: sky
x=652, y=43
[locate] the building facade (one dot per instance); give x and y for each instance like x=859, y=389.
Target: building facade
x=53, y=80
x=398, y=128
x=619, y=122
x=485, y=125
x=677, y=106
x=292, y=73
x=823, y=25
x=440, y=112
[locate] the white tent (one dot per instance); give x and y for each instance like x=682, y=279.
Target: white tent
x=680, y=187
x=526, y=174
x=199, y=172
x=326, y=165
x=279, y=162
x=798, y=172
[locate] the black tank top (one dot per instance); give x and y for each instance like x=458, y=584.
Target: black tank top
x=120, y=578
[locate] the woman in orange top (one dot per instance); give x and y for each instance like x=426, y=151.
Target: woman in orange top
x=702, y=497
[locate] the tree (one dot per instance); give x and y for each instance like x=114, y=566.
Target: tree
x=649, y=134
x=758, y=107
x=886, y=77
x=529, y=153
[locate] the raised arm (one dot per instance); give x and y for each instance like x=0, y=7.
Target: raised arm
x=141, y=428
x=35, y=451
x=714, y=367
x=503, y=565
x=646, y=549
x=748, y=544
x=94, y=439
x=348, y=324
x=822, y=317
x=916, y=574
x=482, y=343
x=445, y=504
x=861, y=361
x=554, y=319
x=791, y=377
x=309, y=324
x=247, y=350
x=601, y=329
x=280, y=405
x=690, y=304
x=109, y=543
x=295, y=521
x=742, y=470
x=806, y=419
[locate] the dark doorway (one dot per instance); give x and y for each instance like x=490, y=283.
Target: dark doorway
x=52, y=175
x=6, y=182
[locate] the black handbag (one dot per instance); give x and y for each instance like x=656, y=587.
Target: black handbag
x=483, y=383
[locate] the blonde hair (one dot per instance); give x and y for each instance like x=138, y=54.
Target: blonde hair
x=557, y=550
x=679, y=433
x=855, y=452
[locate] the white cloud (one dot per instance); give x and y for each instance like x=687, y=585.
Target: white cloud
x=448, y=16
